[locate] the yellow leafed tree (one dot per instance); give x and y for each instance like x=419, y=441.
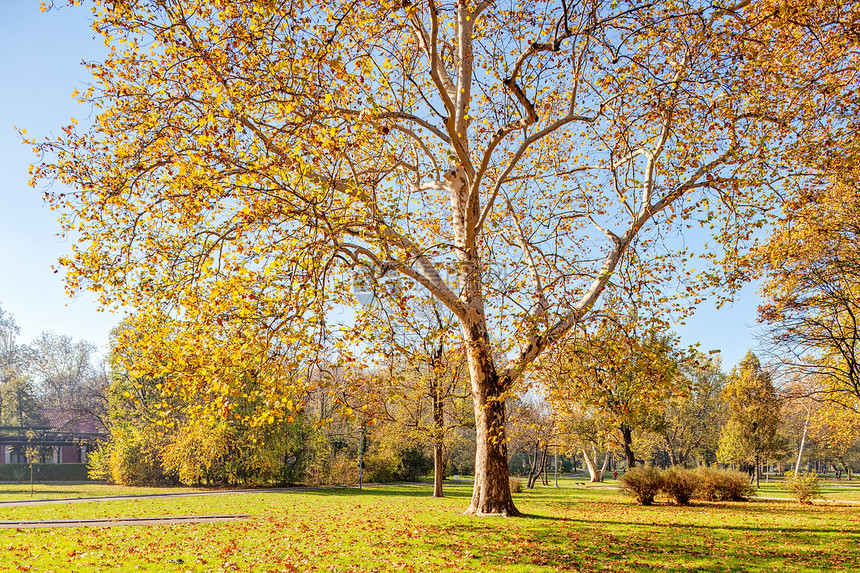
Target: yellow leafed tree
x=514, y=160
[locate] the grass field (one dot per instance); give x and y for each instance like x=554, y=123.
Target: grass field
x=400, y=528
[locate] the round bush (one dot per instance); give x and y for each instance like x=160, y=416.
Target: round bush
x=643, y=484
x=679, y=484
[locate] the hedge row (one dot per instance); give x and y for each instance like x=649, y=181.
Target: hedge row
x=681, y=485
x=43, y=472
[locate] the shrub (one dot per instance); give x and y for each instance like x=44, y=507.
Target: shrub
x=415, y=464
x=516, y=485
x=722, y=485
x=679, y=484
x=98, y=465
x=130, y=457
x=643, y=484
x=803, y=487
x=381, y=467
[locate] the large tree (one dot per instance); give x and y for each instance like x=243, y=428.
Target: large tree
x=246, y=156
x=812, y=268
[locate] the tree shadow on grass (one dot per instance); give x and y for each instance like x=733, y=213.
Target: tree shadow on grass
x=382, y=490
x=37, y=491
x=580, y=544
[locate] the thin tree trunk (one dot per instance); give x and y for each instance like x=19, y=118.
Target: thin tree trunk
x=757, y=472
x=438, y=429
x=802, y=443
x=671, y=451
x=545, y=464
x=533, y=467
x=605, y=465
x=438, y=469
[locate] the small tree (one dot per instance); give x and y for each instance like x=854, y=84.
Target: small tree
x=803, y=487
x=622, y=371
x=750, y=433
x=32, y=454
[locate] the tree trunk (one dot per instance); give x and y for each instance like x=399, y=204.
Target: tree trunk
x=438, y=431
x=627, y=434
x=591, y=463
x=438, y=469
x=533, y=467
x=757, y=472
x=545, y=464
x=492, y=492
x=605, y=465
x=802, y=443
x=671, y=452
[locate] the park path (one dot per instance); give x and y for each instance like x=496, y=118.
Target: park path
x=113, y=521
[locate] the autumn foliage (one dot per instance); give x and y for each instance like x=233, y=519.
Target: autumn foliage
x=514, y=161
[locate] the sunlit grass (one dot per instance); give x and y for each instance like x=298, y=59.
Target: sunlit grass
x=401, y=528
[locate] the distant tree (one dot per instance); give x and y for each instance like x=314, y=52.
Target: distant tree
x=585, y=431
x=690, y=423
x=199, y=436
x=837, y=430
x=749, y=435
x=416, y=337
x=623, y=370
x=533, y=431
x=18, y=403
x=68, y=374
x=10, y=354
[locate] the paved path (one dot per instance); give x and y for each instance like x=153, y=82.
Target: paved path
x=61, y=500
x=113, y=521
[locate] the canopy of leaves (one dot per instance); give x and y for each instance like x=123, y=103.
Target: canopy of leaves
x=812, y=267
x=754, y=413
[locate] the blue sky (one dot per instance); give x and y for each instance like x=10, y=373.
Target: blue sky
x=40, y=66
x=40, y=57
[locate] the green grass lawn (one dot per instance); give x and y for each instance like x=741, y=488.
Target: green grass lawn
x=401, y=528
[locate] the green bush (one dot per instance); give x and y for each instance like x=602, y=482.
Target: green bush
x=43, y=472
x=722, y=485
x=415, y=464
x=679, y=484
x=381, y=467
x=98, y=464
x=803, y=487
x=643, y=484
